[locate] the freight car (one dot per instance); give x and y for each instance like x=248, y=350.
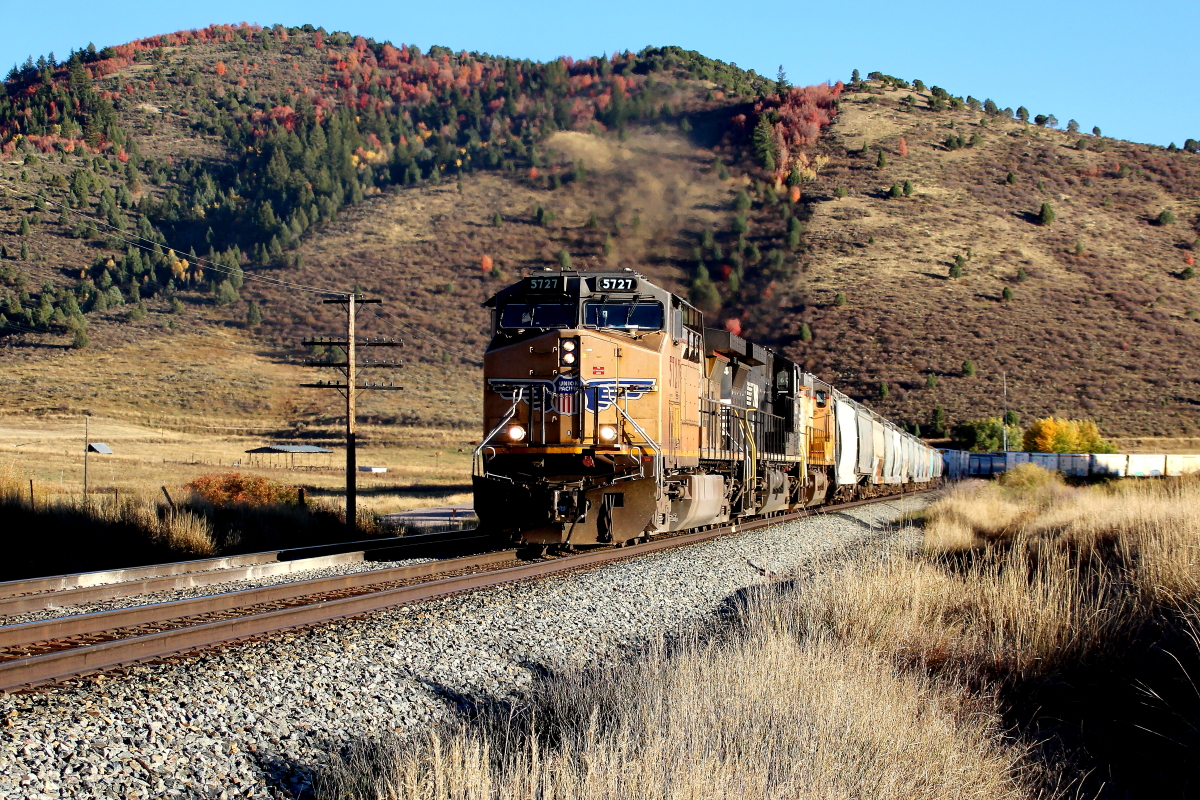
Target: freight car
x=612, y=414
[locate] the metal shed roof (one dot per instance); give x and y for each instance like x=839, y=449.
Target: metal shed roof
x=289, y=448
x=99, y=447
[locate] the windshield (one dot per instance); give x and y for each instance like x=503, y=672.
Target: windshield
x=537, y=315
x=624, y=316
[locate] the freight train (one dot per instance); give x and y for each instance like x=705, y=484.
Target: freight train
x=612, y=414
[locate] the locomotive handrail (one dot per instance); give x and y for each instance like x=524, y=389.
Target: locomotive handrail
x=652, y=443
x=512, y=411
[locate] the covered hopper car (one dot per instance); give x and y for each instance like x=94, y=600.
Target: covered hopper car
x=612, y=414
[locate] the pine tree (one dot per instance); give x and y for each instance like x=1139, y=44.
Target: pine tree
x=881, y=161
x=908, y=188
x=23, y=228
x=564, y=259
x=1046, y=216
x=80, y=339
x=939, y=423
x=764, y=142
x=805, y=332
x=884, y=391
x=968, y=368
x=895, y=191
x=931, y=381
x=1008, y=294
x=254, y=316
x=497, y=220
x=839, y=299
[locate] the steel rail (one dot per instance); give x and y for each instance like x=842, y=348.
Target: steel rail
x=26, y=633
x=23, y=603
x=80, y=580
x=48, y=667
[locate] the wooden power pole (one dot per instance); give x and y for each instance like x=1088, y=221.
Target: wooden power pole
x=351, y=388
x=87, y=446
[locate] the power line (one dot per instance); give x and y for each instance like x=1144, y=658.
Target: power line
x=432, y=339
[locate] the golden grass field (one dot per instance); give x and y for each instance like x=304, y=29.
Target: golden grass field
x=430, y=467
x=1034, y=641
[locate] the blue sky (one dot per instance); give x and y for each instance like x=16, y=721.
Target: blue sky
x=1131, y=69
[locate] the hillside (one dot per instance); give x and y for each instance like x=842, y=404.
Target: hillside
x=154, y=192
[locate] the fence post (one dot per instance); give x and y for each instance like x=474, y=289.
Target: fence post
x=167, y=494
x=32, y=506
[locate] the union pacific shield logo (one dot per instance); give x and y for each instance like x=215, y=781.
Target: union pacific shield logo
x=566, y=394
x=600, y=394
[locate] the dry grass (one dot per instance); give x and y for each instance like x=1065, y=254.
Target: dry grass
x=769, y=712
x=1038, y=642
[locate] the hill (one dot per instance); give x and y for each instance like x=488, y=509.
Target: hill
x=154, y=192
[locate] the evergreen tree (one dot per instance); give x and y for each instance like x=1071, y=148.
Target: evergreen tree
x=968, y=368
x=1046, y=216
x=939, y=423
x=80, y=339
x=931, y=381
x=908, y=188
x=881, y=161
x=497, y=220
x=23, y=228
x=254, y=316
x=805, y=332
x=764, y=142
x=1008, y=294
x=1023, y=114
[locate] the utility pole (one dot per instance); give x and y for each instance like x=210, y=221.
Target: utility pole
x=87, y=445
x=351, y=388
x=1004, y=419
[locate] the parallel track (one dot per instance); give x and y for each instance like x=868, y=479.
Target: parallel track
x=51, y=650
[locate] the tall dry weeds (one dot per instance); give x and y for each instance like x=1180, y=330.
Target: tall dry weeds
x=759, y=714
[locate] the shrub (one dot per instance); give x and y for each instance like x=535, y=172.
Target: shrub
x=931, y=381
x=497, y=220
x=1011, y=179
x=80, y=340
x=1056, y=435
x=176, y=306
x=908, y=188
x=742, y=201
x=955, y=270
x=608, y=245
x=895, y=191
x=564, y=259
x=805, y=332
x=884, y=391
x=881, y=161
x=1188, y=273
x=839, y=192
x=839, y=299
x=1008, y=294
x=1166, y=217
x=1046, y=215
x=234, y=488
x=968, y=368
x=986, y=435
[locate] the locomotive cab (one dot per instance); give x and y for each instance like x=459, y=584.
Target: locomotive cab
x=573, y=395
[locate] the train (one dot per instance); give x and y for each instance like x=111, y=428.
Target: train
x=612, y=415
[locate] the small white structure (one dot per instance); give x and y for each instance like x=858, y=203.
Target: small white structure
x=372, y=469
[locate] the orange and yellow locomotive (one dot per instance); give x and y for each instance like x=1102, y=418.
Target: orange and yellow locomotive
x=611, y=414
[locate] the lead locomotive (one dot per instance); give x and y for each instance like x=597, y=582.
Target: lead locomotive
x=612, y=414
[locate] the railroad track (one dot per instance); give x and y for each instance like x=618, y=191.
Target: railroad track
x=36, y=653
x=59, y=591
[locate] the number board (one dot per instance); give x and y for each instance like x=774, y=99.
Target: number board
x=620, y=284
x=545, y=284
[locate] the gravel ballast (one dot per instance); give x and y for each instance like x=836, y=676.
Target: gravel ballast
x=253, y=719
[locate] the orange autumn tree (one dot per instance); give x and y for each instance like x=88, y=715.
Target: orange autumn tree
x=1057, y=435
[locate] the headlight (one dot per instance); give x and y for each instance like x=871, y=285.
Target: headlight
x=516, y=433
x=568, y=358
x=568, y=345
x=608, y=433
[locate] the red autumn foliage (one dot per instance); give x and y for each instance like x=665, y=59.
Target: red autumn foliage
x=794, y=194
x=533, y=173
x=221, y=68
x=1190, y=260
x=903, y=148
x=734, y=326
x=726, y=271
x=234, y=488
x=485, y=263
